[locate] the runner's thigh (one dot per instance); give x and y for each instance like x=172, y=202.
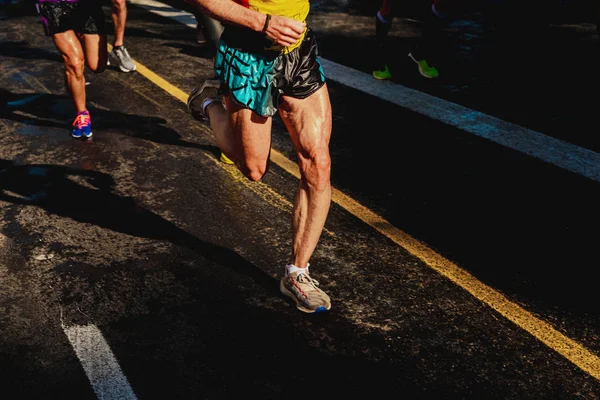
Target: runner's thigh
x=96, y=52
x=251, y=133
x=69, y=46
x=308, y=121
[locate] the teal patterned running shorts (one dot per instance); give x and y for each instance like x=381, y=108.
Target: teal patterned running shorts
x=256, y=81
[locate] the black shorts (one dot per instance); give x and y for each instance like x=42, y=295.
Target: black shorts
x=84, y=16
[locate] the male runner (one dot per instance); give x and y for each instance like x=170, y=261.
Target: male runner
x=267, y=62
x=77, y=29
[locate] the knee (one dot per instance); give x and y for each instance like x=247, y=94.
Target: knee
x=316, y=169
x=75, y=65
x=119, y=4
x=98, y=68
x=254, y=172
x=98, y=65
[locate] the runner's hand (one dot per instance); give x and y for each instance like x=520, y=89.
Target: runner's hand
x=285, y=31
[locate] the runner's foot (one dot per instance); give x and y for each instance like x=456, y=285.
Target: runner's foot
x=304, y=290
x=119, y=57
x=425, y=69
x=202, y=96
x=82, y=125
x=382, y=73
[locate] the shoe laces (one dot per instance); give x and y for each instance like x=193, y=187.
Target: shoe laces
x=305, y=279
x=123, y=52
x=82, y=120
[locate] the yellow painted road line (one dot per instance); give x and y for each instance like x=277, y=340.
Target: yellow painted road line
x=158, y=81
x=543, y=331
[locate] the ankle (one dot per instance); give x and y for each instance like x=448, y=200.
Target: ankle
x=291, y=268
x=208, y=105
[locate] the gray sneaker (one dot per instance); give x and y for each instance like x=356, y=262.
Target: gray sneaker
x=208, y=91
x=305, y=291
x=119, y=57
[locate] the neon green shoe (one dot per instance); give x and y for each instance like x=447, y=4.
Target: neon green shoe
x=383, y=73
x=425, y=69
x=225, y=160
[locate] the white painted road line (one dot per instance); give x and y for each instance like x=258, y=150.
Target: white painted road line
x=165, y=10
x=553, y=151
x=99, y=363
x=557, y=152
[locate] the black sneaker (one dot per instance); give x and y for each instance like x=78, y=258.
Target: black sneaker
x=202, y=96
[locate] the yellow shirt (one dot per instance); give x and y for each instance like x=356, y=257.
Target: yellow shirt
x=295, y=9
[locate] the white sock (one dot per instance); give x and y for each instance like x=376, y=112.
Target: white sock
x=291, y=268
x=205, y=104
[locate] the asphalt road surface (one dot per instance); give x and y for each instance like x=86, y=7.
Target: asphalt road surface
x=460, y=251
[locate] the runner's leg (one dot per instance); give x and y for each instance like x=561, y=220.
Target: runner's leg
x=71, y=50
x=308, y=122
x=95, y=51
x=119, y=18
x=242, y=135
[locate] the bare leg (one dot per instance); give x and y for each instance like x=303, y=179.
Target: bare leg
x=72, y=53
x=242, y=135
x=95, y=52
x=246, y=138
x=119, y=18
x=308, y=122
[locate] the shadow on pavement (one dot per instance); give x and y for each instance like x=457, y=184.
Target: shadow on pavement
x=49, y=110
x=22, y=50
x=222, y=356
x=51, y=188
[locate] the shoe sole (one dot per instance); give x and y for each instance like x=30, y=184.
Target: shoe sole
x=82, y=136
x=122, y=68
x=382, y=78
x=198, y=116
x=192, y=96
x=298, y=305
x=424, y=75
